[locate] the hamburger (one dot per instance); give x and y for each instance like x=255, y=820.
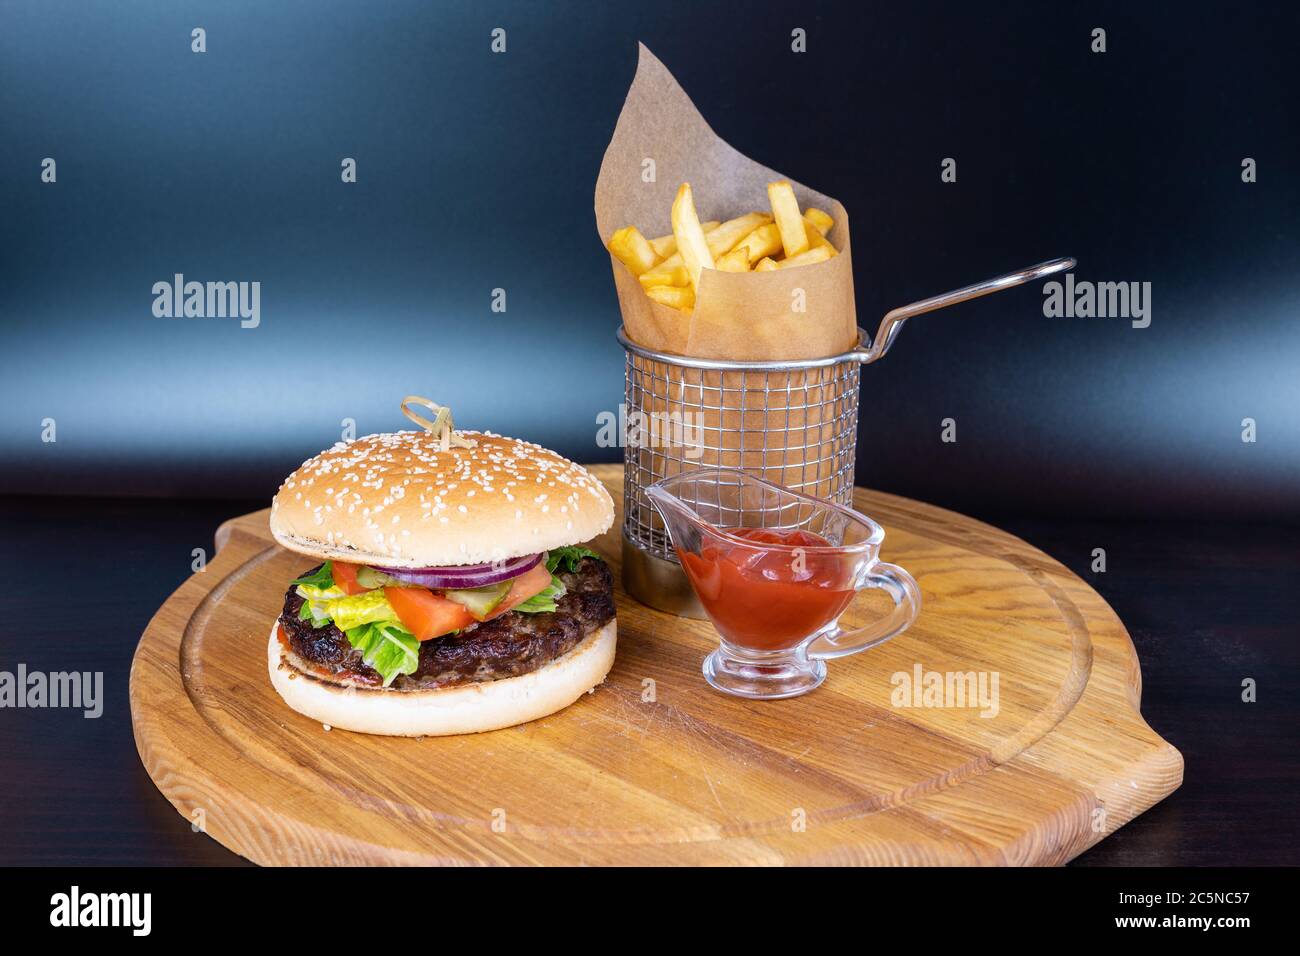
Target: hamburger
x=448, y=591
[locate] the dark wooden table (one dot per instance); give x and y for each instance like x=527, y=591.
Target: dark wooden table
x=1208, y=607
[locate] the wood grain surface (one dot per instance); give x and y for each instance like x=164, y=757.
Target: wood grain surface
x=655, y=767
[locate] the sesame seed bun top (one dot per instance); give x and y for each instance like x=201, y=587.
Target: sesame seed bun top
x=400, y=500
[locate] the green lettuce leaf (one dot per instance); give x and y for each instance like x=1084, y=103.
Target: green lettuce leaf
x=545, y=599
x=314, y=613
x=368, y=607
x=386, y=647
x=318, y=596
x=322, y=578
x=566, y=558
x=570, y=556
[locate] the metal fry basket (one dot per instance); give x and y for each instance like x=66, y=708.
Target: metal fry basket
x=791, y=422
x=794, y=423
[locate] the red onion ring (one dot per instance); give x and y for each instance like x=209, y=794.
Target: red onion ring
x=458, y=576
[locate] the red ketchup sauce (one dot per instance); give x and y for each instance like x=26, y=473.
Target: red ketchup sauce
x=769, y=599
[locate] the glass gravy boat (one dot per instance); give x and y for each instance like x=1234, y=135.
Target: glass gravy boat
x=774, y=570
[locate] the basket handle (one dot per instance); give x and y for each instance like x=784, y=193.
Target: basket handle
x=894, y=319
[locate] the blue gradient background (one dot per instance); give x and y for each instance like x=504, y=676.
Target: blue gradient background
x=476, y=171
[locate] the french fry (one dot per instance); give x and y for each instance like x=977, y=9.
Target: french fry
x=677, y=275
x=691, y=243
x=807, y=257
x=724, y=238
x=820, y=219
x=816, y=237
x=632, y=250
x=763, y=241
x=675, y=260
x=665, y=246
x=721, y=237
x=679, y=297
x=737, y=260
x=669, y=267
x=785, y=210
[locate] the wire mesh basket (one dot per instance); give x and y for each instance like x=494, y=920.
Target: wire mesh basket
x=792, y=422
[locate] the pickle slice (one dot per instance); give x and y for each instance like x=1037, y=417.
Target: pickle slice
x=370, y=578
x=480, y=602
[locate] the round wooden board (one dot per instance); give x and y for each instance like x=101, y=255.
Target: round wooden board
x=655, y=767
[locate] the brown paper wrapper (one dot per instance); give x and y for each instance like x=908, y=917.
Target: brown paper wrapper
x=743, y=316
x=796, y=428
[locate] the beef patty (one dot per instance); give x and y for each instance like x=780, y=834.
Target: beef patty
x=514, y=643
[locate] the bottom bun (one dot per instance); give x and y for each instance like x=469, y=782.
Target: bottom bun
x=461, y=709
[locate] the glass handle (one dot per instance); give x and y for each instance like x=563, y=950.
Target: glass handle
x=899, y=585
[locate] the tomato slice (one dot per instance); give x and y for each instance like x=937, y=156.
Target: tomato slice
x=533, y=581
x=425, y=614
x=345, y=578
